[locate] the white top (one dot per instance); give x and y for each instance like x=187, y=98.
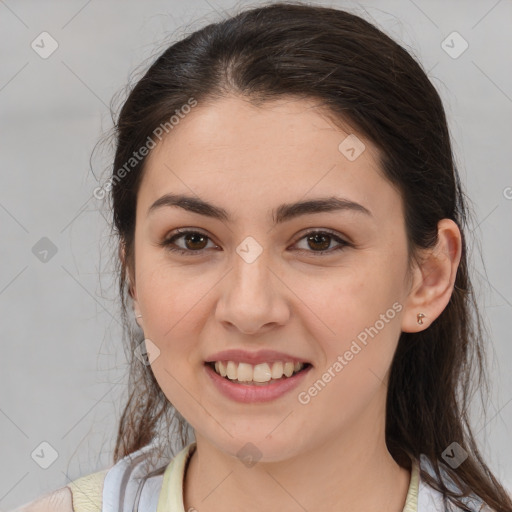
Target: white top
x=124, y=488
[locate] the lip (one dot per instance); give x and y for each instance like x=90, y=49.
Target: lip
x=261, y=356
x=246, y=393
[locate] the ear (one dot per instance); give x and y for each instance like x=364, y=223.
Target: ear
x=132, y=290
x=433, y=278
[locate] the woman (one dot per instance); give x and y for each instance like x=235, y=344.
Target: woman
x=291, y=242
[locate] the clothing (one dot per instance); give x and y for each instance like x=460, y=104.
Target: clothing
x=122, y=486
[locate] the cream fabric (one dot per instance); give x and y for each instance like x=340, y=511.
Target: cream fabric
x=171, y=496
x=87, y=492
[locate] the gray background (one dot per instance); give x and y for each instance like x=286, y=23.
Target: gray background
x=62, y=364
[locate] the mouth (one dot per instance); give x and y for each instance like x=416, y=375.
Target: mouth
x=263, y=374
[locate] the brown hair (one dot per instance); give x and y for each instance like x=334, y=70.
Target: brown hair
x=367, y=80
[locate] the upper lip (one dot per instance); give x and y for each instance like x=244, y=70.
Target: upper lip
x=261, y=356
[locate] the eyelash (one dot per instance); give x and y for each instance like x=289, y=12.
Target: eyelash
x=167, y=243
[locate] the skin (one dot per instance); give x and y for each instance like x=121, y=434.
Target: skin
x=328, y=454
x=60, y=500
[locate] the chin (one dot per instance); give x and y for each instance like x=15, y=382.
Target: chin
x=250, y=449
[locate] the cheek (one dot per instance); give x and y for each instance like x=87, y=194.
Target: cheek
x=356, y=311
x=167, y=291
x=172, y=300
x=346, y=302
x=173, y=315
x=358, y=334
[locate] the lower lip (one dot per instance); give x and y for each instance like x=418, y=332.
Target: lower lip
x=247, y=393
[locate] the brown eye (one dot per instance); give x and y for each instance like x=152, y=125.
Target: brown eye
x=318, y=243
x=194, y=242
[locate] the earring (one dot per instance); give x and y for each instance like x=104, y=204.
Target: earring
x=420, y=318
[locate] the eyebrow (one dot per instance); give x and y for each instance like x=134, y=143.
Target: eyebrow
x=283, y=213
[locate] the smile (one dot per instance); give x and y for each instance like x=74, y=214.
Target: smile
x=256, y=374
x=249, y=390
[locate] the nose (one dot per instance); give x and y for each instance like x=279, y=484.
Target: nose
x=253, y=297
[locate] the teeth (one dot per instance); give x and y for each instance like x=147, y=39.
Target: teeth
x=220, y=368
x=245, y=372
x=231, y=370
x=277, y=370
x=261, y=373
x=264, y=372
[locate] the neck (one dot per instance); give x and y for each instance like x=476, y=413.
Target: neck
x=349, y=472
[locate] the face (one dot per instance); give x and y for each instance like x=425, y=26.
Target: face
x=322, y=286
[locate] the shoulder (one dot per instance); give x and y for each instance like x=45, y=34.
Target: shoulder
x=132, y=480
x=81, y=495
x=87, y=492
x=60, y=500
x=430, y=499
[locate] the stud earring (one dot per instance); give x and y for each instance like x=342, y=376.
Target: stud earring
x=420, y=318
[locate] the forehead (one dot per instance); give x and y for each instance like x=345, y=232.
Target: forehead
x=231, y=152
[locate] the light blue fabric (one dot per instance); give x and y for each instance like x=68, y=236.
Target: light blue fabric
x=124, y=481
x=125, y=489
x=431, y=500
